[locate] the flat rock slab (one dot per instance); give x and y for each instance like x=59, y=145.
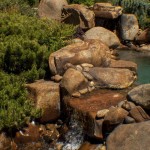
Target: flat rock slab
x=130, y=137
x=97, y=100
x=123, y=64
x=140, y=95
x=86, y=109
x=106, y=10
x=112, y=77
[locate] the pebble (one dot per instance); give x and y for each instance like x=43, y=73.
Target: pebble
x=79, y=68
x=87, y=69
x=56, y=78
x=76, y=94
x=88, y=76
x=91, y=84
x=129, y=119
x=90, y=89
x=126, y=105
x=87, y=65
x=68, y=65
x=83, y=91
x=102, y=113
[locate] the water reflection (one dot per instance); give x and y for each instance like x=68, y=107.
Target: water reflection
x=142, y=59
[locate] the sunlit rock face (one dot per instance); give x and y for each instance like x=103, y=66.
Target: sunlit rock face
x=105, y=35
x=46, y=97
x=89, y=51
x=112, y=77
x=51, y=9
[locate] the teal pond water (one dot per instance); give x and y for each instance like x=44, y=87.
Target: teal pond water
x=142, y=59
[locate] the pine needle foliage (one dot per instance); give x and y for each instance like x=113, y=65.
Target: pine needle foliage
x=85, y=2
x=15, y=109
x=26, y=43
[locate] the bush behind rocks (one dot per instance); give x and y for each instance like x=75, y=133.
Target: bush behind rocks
x=26, y=42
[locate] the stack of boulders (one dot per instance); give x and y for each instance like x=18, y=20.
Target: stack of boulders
x=82, y=70
x=99, y=18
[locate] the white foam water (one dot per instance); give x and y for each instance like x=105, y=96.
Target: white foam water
x=74, y=137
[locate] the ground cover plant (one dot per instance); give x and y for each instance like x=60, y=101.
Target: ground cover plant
x=25, y=45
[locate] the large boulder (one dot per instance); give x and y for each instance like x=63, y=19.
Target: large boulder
x=140, y=95
x=106, y=10
x=112, y=77
x=46, y=97
x=128, y=27
x=73, y=81
x=144, y=37
x=90, y=51
x=130, y=137
x=78, y=15
x=106, y=36
x=51, y=9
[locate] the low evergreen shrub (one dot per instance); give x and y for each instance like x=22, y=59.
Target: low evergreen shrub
x=26, y=43
x=85, y=2
x=15, y=109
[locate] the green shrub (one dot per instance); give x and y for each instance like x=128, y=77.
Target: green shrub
x=15, y=108
x=26, y=43
x=19, y=6
x=85, y=2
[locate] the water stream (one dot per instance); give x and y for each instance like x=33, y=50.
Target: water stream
x=142, y=59
x=75, y=136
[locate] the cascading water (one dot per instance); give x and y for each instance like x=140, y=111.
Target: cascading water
x=74, y=137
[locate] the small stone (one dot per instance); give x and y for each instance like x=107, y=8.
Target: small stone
x=68, y=65
x=79, y=68
x=76, y=94
x=83, y=91
x=91, y=84
x=87, y=69
x=126, y=105
x=102, y=113
x=129, y=119
x=88, y=76
x=56, y=78
x=90, y=89
x=87, y=65
x=103, y=147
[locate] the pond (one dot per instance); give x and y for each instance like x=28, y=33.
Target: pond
x=142, y=59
